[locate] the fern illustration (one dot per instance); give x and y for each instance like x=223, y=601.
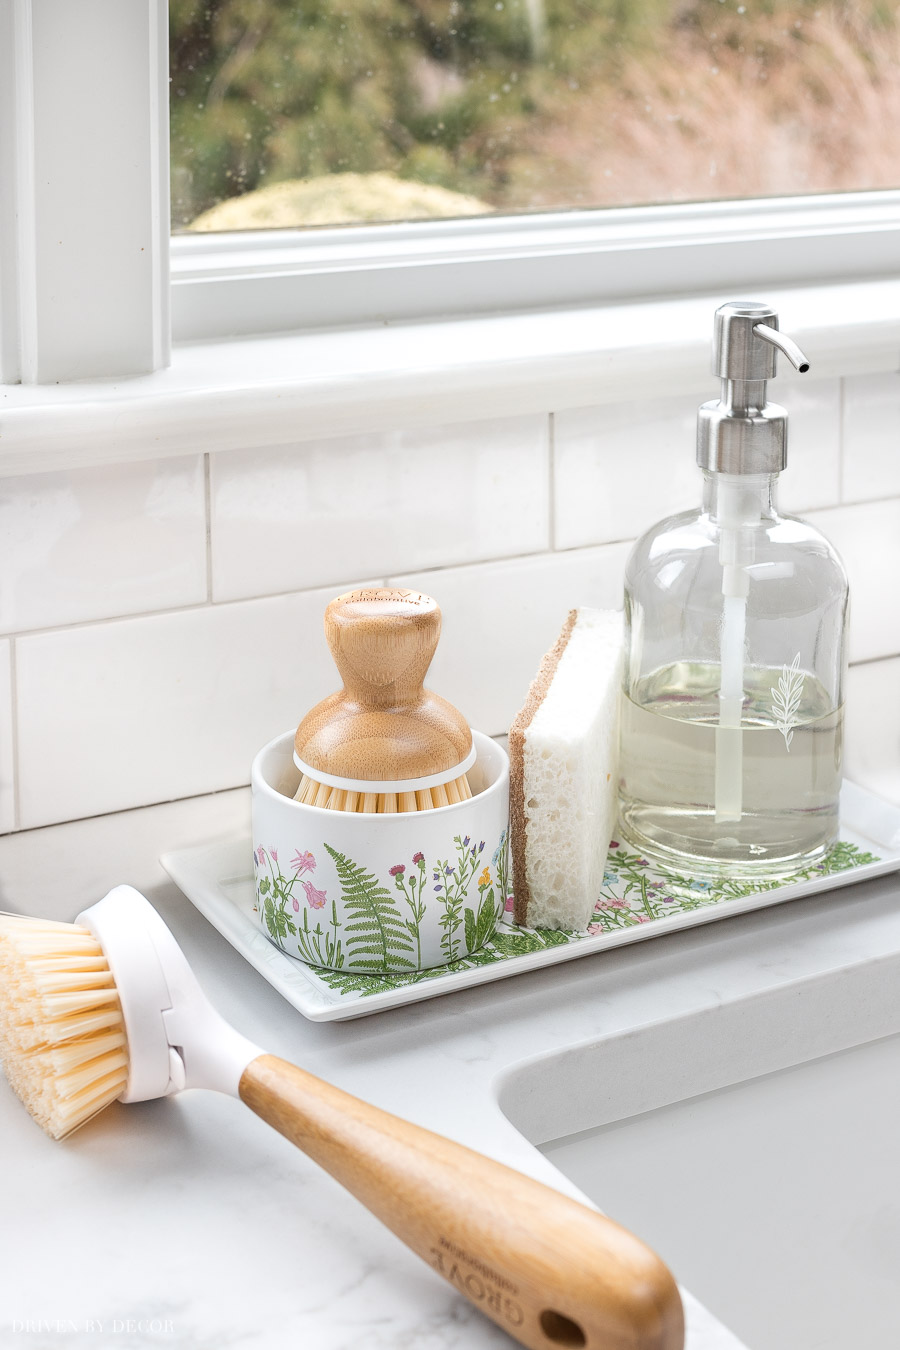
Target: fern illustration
x=378, y=938
x=786, y=700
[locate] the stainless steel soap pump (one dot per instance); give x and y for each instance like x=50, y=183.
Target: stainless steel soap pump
x=736, y=621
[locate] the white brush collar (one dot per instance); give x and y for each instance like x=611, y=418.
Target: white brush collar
x=176, y=1039
x=395, y=785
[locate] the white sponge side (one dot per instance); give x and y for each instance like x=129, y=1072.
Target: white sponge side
x=570, y=771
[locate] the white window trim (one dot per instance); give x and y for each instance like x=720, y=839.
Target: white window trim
x=84, y=229
x=284, y=390
x=229, y=285
x=358, y=327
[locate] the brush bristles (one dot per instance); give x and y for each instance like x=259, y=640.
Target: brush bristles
x=62, y=1037
x=311, y=793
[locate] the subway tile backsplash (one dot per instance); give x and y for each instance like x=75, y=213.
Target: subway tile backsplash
x=282, y=520
x=115, y=715
x=7, y=768
x=867, y=537
x=500, y=618
x=164, y=619
x=94, y=543
x=871, y=437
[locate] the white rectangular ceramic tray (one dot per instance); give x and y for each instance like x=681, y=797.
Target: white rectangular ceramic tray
x=637, y=902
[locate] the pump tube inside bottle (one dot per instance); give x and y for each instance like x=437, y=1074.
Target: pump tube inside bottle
x=739, y=511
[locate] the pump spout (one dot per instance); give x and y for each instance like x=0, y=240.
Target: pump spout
x=784, y=344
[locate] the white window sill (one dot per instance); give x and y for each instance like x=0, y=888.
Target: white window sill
x=286, y=389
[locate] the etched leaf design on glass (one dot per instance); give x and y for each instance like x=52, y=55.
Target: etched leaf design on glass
x=786, y=699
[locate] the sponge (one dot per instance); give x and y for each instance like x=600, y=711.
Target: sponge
x=563, y=748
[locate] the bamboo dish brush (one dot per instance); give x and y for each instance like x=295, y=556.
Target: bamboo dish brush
x=384, y=743
x=109, y=1008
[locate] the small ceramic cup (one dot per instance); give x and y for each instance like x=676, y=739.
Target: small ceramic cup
x=379, y=894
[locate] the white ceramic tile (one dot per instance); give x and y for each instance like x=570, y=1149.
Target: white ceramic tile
x=812, y=477
x=872, y=744
x=123, y=714
x=500, y=618
x=871, y=437
x=620, y=468
x=285, y=519
x=7, y=766
x=868, y=539
x=98, y=542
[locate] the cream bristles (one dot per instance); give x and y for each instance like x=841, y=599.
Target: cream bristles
x=62, y=1037
x=311, y=793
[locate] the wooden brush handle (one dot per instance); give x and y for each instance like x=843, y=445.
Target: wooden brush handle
x=383, y=642
x=548, y=1270
x=383, y=725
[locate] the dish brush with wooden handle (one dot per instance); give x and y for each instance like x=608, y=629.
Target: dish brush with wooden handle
x=384, y=743
x=109, y=1008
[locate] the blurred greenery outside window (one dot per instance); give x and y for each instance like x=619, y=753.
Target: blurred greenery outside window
x=290, y=113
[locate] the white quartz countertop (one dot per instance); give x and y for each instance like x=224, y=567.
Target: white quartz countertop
x=188, y=1222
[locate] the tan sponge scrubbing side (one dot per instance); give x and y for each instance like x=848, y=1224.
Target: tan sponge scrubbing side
x=563, y=748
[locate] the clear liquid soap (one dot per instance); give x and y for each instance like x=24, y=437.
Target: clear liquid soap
x=736, y=622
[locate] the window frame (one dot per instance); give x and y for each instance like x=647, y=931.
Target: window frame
x=105, y=313
x=231, y=285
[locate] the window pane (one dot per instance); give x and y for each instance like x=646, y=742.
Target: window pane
x=310, y=112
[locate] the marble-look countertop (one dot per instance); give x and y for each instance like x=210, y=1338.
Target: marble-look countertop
x=187, y=1222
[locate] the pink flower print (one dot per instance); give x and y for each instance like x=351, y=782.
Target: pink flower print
x=614, y=843
x=261, y=855
x=595, y=928
x=303, y=862
x=510, y=904
x=418, y=858
x=315, y=899
x=642, y=918
x=296, y=904
x=274, y=855
x=397, y=870
x=612, y=904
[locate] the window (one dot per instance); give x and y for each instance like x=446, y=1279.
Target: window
x=314, y=112
x=84, y=218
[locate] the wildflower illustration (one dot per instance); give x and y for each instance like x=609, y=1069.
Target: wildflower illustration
x=500, y=863
x=315, y=899
x=411, y=889
x=786, y=700
x=276, y=899
x=451, y=885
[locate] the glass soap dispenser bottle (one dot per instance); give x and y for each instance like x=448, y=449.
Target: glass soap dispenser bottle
x=736, y=623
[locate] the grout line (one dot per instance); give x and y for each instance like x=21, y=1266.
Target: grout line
x=551, y=479
x=853, y=503
x=127, y=810
x=14, y=736
x=197, y=606
x=208, y=513
x=509, y=558
x=874, y=660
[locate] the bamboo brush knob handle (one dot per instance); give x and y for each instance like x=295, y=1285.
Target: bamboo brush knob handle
x=547, y=1269
x=384, y=725
x=383, y=642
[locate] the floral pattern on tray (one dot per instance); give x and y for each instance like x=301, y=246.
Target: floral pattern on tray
x=634, y=892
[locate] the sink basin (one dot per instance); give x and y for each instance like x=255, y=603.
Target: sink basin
x=754, y=1146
